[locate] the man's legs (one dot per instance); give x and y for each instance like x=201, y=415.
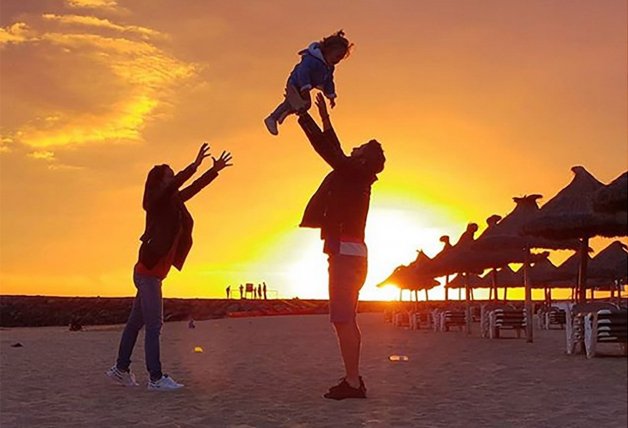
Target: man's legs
x=349, y=341
x=346, y=277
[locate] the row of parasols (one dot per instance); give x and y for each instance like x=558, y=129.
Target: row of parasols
x=584, y=209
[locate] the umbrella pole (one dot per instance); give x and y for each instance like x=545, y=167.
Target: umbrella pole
x=468, y=303
x=582, y=273
x=494, y=281
x=528, y=292
x=447, y=288
x=505, y=294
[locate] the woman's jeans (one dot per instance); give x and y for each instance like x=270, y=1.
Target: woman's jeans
x=147, y=310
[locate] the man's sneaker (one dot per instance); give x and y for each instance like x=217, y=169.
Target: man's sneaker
x=295, y=99
x=344, y=390
x=271, y=125
x=121, y=377
x=166, y=383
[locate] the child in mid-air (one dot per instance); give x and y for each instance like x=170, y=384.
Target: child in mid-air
x=316, y=70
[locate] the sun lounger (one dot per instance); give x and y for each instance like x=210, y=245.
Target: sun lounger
x=401, y=319
x=574, y=327
x=451, y=319
x=499, y=319
x=485, y=311
x=420, y=320
x=605, y=326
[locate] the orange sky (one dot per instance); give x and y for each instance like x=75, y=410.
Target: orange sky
x=474, y=102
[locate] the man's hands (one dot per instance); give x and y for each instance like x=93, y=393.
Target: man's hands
x=203, y=152
x=332, y=102
x=322, y=106
x=222, y=162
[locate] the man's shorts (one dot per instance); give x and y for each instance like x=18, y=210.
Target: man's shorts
x=346, y=277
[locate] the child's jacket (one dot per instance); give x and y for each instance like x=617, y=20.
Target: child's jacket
x=313, y=72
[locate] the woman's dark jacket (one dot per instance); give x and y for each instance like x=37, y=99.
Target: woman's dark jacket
x=166, y=216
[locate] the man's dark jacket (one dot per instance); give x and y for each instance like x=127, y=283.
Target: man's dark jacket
x=340, y=205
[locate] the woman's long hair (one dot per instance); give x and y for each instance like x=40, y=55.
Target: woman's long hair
x=153, y=184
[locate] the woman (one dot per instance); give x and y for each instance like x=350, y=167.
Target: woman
x=166, y=242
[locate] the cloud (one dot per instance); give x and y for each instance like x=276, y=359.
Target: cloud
x=101, y=23
x=42, y=155
x=70, y=84
x=15, y=33
x=92, y=4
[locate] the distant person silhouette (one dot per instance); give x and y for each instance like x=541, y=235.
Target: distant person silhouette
x=264, y=288
x=166, y=242
x=340, y=208
x=254, y=293
x=228, y=291
x=259, y=290
x=315, y=70
x=241, y=291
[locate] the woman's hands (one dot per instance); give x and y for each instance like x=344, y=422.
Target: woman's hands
x=222, y=162
x=219, y=164
x=203, y=152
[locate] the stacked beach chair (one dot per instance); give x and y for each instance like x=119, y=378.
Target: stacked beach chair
x=506, y=318
x=589, y=324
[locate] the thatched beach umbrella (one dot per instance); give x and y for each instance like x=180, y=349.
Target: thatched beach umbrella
x=570, y=215
x=504, y=277
x=508, y=235
x=613, y=198
x=609, y=268
x=407, y=278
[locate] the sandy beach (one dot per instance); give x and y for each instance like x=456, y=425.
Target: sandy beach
x=271, y=371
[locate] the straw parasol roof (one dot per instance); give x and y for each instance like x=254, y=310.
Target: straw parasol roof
x=440, y=265
x=408, y=278
x=508, y=232
x=542, y=273
x=505, y=277
x=467, y=256
x=613, y=197
x=611, y=263
x=570, y=213
x=474, y=281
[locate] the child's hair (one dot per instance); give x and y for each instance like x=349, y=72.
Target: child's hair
x=152, y=185
x=337, y=40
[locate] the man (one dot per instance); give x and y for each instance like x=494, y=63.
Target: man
x=339, y=208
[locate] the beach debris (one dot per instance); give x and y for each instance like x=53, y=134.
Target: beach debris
x=398, y=358
x=17, y=345
x=198, y=349
x=191, y=324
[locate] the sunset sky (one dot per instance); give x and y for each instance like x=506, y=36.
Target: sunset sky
x=473, y=101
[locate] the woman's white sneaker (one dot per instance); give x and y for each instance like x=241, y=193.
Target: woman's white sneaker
x=120, y=377
x=166, y=383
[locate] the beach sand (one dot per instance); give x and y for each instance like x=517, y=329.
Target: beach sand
x=272, y=371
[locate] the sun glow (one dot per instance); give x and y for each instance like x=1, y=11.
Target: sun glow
x=393, y=236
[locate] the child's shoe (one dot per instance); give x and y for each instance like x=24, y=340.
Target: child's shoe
x=271, y=125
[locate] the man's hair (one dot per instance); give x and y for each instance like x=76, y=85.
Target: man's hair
x=375, y=158
x=337, y=40
x=153, y=181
